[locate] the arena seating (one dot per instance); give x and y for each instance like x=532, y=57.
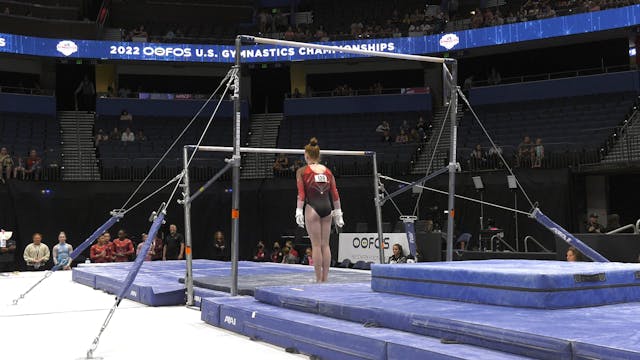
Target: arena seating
x=45, y=9
x=580, y=123
x=20, y=133
x=133, y=160
x=352, y=132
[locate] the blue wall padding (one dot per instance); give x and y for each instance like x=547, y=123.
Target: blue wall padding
x=357, y=104
x=520, y=283
x=31, y=104
x=540, y=334
x=165, y=108
x=330, y=338
x=627, y=81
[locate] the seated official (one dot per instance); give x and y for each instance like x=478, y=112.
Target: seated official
x=398, y=255
x=7, y=255
x=574, y=255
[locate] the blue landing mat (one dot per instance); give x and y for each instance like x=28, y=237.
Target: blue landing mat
x=329, y=338
x=520, y=283
x=604, y=332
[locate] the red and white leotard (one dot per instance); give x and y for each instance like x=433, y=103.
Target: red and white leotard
x=317, y=189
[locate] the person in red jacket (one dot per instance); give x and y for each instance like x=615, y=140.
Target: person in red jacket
x=317, y=189
x=122, y=247
x=102, y=251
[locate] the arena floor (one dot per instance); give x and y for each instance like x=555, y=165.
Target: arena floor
x=60, y=318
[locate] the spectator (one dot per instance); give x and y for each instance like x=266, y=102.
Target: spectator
x=525, y=151
x=102, y=251
x=398, y=255
x=292, y=248
x=467, y=85
x=101, y=137
x=287, y=256
x=127, y=136
x=140, y=136
x=111, y=91
x=6, y=165
x=478, y=159
x=592, y=225
x=19, y=168
x=219, y=250
x=169, y=36
x=6, y=11
x=574, y=255
x=84, y=94
x=494, y=77
x=414, y=136
x=36, y=254
x=402, y=137
x=308, y=258
x=276, y=253
x=115, y=134
x=281, y=163
x=150, y=253
x=537, y=154
x=122, y=247
x=157, y=245
x=384, y=126
x=405, y=126
x=7, y=253
x=126, y=119
x=124, y=92
x=174, y=245
x=260, y=255
x=61, y=252
x=34, y=165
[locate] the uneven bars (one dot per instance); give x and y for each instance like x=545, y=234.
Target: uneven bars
x=280, y=151
x=430, y=59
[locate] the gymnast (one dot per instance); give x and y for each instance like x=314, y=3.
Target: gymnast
x=317, y=188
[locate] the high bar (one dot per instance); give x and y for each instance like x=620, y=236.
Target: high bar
x=280, y=151
x=260, y=40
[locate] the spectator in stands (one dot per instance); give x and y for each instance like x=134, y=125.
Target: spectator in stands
x=405, y=126
x=219, y=249
x=127, y=136
x=264, y=21
x=115, y=134
x=85, y=93
x=124, y=92
x=494, y=77
x=574, y=255
x=537, y=154
x=288, y=257
x=294, y=252
x=150, y=253
x=289, y=34
x=282, y=163
x=276, y=253
x=6, y=164
x=61, y=252
x=111, y=91
x=493, y=157
x=524, y=152
x=122, y=247
x=140, y=34
x=34, y=165
x=478, y=160
x=36, y=254
x=398, y=255
x=402, y=137
x=592, y=224
x=174, y=245
x=101, y=137
x=260, y=255
x=6, y=11
x=308, y=257
x=7, y=254
x=140, y=136
x=467, y=85
x=169, y=36
x=421, y=126
x=102, y=251
x=126, y=119
x=414, y=136
x=297, y=164
x=385, y=130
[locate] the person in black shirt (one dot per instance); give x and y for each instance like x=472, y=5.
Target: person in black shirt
x=7, y=254
x=173, y=245
x=219, y=249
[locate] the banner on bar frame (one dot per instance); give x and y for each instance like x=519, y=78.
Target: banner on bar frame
x=433, y=44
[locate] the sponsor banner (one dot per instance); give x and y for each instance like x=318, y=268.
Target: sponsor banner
x=365, y=246
x=433, y=44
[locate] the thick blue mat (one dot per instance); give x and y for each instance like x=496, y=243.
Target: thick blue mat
x=520, y=283
x=329, y=338
x=604, y=332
